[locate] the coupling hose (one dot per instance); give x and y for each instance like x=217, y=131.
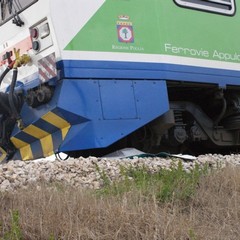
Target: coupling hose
x=11, y=96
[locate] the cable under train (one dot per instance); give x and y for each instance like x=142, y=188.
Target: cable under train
x=88, y=77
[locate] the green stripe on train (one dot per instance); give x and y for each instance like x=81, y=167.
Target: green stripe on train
x=160, y=27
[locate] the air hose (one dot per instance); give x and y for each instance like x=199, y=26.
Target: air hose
x=13, y=99
x=4, y=74
x=10, y=102
x=3, y=105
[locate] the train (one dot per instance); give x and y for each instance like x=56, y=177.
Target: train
x=88, y=77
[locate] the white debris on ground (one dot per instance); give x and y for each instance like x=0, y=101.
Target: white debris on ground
x=86, y=172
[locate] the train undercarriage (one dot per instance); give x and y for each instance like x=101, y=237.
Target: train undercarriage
x=202, y=119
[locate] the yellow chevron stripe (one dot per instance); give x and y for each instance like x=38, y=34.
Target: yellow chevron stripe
x=47, y=145
x=4, y=154
x=55, y=120
x=26, y=152
x=35, y=131
x=45, y=138
x=18, y=143
x=24, y=148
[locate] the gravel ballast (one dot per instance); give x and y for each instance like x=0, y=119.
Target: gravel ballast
x=86, y=172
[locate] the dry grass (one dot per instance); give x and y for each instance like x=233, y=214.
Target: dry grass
x=59, y=212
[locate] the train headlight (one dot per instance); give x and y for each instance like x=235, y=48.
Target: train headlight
x=44, y=30
x=34, y=33
x=41, y=37
x=36, y=46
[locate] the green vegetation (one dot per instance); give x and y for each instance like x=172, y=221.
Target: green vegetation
x=166, y=184
x=166, y=204
x=14, y=232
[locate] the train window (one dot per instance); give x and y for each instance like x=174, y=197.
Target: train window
x=226, y=7
x=11, y=8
